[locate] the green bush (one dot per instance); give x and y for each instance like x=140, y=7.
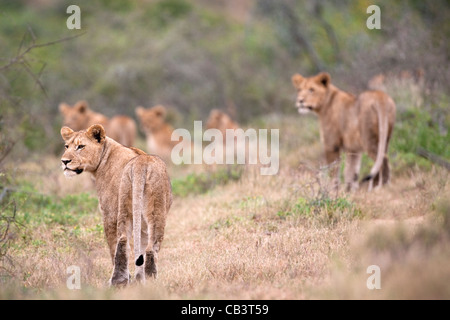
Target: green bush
x=415, y=129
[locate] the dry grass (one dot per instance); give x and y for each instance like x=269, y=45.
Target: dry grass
x=248, y=240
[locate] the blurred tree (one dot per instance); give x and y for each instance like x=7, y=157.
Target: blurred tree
x=289, y=26
x=318, y=13
x=20, y=75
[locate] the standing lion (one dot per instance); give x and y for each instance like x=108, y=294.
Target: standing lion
x=349, y=124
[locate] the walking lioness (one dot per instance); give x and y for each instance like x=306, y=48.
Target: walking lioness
x=349, y=124
x=134, y=194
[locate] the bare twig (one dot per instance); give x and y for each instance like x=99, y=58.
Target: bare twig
x=6, y=222
x=321, y=187
x=5, y=150
x=290, y=21
x=20, y=56
x=27, y=68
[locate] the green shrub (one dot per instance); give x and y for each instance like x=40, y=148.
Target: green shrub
x=415, y=129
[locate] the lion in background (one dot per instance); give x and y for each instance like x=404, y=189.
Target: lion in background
x=221, y=121
x=157, y=131
x=80, y=116
x=134, y=195
x=349, y=124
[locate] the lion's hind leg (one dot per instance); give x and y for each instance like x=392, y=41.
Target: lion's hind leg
x=381, y=178
x=352, y=167
x=139, y=256
x=386, y=172
x=151, y=252
x=156, y=226
x=120, y=276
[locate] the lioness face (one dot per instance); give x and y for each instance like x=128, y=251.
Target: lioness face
x=220, y=120
x=311, y=92
x=75, y=117
x=151, y=119
x=83, y=149
x=215, y=119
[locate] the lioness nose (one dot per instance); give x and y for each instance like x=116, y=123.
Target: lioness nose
x=65, y=162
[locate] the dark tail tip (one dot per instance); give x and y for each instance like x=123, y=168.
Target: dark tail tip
x=140, y=260
x=367, y=178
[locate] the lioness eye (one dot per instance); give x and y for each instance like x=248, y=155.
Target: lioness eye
x=80, y=147
x=66, y=146
x=311, y=89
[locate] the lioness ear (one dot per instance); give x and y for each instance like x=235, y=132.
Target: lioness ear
x=63, y=107
x=97, y=133
x=66, y=133
x=160, y=111
x=324, y=79
x=214, y=113
x=82, y=106
x=139, y=111
x=297, y=80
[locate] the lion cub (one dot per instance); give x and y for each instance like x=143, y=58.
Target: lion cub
x=221, y=121
x=134, y=195
x=349, y=124
x=157, y=131
x=80, y=117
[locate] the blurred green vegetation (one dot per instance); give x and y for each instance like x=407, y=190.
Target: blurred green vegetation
x=416, y=129
x=200, y=183
x=327, y=211
x=40, y=209
x=195, y=56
